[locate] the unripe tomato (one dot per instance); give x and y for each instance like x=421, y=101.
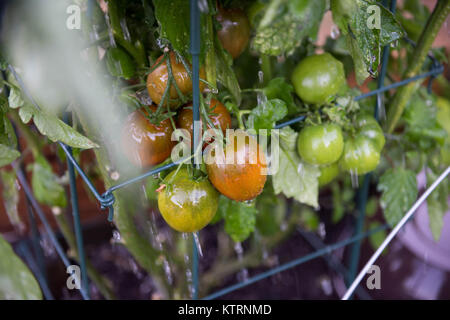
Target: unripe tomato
x=320, y=144
x=240, y=180
x=220, y=117
x=119, y=63
x=235, y=31
x=187, y=205
x=369, y=127
x=145, y=143
x=318, y=77
x=360, y=155
x=157, y=81
x=328, y=173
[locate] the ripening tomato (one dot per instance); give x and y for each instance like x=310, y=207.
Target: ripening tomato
x=146, y=144
x=157, y=81
x=235, y=31
x=244, y=177
x=220, y=117
x=187, y=205
x=320, y=144
x=317, y=78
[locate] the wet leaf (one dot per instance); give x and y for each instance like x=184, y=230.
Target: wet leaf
x=271, y=211
x=399, y=191
x=15, y=99
x=45, y=184
x=278, y=88
x=225, y=72
x=368, y=26
x=295, y=178
x=16, y=280
x=240, y=218
x=266, y=114
x=291, y=22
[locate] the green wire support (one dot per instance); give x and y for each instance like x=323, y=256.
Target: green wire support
x=77, y=225
x=295, y=262
x=363, y=192
x=195, y=52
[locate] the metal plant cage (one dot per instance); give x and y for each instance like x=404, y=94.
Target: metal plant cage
x=107, y=199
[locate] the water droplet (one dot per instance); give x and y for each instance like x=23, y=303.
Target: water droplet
x=325, y=285
x=115, y=175
x=167, y=271
x=335, y=32
x=354, y=178
x=321, y=230
x=126, y=33
x=116, y=237
x=260, y=76
x=243, y=273
x=394, y=44
x=203, y=6
x=197, y=244
x=112, y=42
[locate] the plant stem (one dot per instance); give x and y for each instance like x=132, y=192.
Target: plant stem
x=426, y=39
x=103, y=284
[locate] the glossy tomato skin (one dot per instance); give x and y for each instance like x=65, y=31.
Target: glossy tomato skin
x=360, y=155
x=157, y=81
x=146, y=144
x=328, y=173
x=220, y=117
x=318, y=77
x=369, y=127
x=320, y=144
x=244, y=178
x=235, y=31
x=185, y=204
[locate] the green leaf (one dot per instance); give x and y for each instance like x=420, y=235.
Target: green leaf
x=278, y=88
x=45, y=184
x=173, y=19
x=365, y=38
x=240, y=218
x=294, y=177
x=399, y=191
x=225, y=72
x=377, y=238
x=282, y=33
x=55, y=129
x=266, y=114
x=16, y=280
x=437, y=205
x=271, y=211
x=10, y=197
x=7, y=134
x=15, y=99
x=7, y=155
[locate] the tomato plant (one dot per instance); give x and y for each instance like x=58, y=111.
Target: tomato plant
x=306, y=124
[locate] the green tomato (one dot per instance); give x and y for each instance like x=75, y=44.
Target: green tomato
x=328, y=173
x=119, y=63
x=360, y=155
x=369, y=127
x=320, y=144
x=317, y=78
x=187, y=205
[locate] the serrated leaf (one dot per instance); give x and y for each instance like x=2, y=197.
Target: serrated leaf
x=240, y=218
x=45, y=184
x=365, y=38
x=437, y=205
x=16, y=280
x=10, y=197
x=55, y=129
x=295, y=178
x=399, y=191
x=278, y=88
x=15, y=99
x=266, y=114
x=7, y=155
